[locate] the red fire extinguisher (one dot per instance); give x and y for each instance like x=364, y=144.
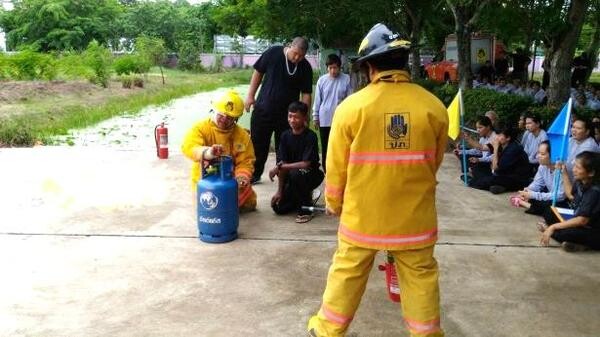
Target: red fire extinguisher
x=391, y=278
x=161, y=137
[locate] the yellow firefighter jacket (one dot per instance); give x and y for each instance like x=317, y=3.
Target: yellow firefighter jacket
x=236, y=143
x=387, y=142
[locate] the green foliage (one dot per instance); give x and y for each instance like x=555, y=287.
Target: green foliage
x=72, y=66
x=131, y=64
x=478, y=101
x=16, y=132
x=138, y=82
x=126, y=82
x=151, y=48
x=99, y=59
x=508, y=107
x=29, y=65
x=189, y=58
x=47, y=25
x=41, y=125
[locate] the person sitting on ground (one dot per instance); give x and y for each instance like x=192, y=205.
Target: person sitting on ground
x=580, y=102
x=220, y=135
x=532, y=139
x=523, y=90
x=582, y=231
x=493, y=116
x=538, y=195
x=596, y=127
x=581, y=140
x=521, y=128
x=510, y=166
x=502, y=87
x=593, y=103
x=298, y=171
x=478, y=152
x=539, y=94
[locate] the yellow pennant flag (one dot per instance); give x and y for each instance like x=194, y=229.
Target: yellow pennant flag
x=454, y=117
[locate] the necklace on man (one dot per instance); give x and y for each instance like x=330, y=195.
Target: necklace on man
x=287, y=66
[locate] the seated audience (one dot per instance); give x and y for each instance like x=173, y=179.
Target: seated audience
x=581, y=140
x=532, y=139
x=582, y=231
x=538, y=195
x=539, y=95
x=509, y=168
x=478, y=152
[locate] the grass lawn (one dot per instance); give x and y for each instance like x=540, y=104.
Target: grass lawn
x=32, y=112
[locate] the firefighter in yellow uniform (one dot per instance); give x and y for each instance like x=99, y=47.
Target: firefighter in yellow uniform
x=220, y=135
x=387, y=142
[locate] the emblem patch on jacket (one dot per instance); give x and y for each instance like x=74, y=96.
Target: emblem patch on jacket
x=397, y=132
x=239, y=147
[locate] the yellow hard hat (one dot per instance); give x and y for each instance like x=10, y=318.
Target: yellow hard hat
x=230, y=104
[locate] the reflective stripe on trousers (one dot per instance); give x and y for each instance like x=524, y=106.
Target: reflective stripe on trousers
x=418, y=278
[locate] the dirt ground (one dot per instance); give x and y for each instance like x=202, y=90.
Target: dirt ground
x=17, y=97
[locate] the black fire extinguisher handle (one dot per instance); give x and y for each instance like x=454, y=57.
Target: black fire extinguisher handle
x=156, y=138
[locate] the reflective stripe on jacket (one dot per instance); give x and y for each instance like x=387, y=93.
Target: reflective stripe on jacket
x=386, y=144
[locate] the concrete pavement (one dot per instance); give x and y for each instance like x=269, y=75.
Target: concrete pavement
x=97, y=241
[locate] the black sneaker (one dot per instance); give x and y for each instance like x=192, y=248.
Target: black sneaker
x=497, y=189
x=572, y=247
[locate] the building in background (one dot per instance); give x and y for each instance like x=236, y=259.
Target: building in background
x=7, y=5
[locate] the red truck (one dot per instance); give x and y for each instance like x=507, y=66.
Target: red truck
x=483, y=48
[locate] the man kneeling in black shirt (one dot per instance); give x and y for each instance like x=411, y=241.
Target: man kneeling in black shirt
x=298, y=171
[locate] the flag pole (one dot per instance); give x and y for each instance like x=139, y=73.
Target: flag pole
x=563, y=145
x=464, y=147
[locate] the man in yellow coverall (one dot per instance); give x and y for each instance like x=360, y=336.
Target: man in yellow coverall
x=220, y=135
x=387, y=142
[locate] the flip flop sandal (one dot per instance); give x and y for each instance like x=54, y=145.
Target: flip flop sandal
x=304, y=218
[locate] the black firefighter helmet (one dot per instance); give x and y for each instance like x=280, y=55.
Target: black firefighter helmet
x=380, y=40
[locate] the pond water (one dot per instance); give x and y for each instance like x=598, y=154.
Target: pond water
x=136, y=131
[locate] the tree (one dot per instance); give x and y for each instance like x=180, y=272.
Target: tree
x=593, y=44
x=236, y=18
x=47, y=25
x=158, y=19
x=561, y=39
x=466, y=14
x=417, y=12
x=152, y=49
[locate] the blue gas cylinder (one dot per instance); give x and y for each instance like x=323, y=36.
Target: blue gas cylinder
x=218, y=216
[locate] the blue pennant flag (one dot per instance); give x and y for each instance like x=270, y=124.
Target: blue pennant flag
x=558, y=134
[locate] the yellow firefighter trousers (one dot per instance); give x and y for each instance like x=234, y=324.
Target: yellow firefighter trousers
x=418, y=279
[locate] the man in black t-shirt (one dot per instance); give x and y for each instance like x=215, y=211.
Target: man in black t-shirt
x=298, y=171
x=284, y=74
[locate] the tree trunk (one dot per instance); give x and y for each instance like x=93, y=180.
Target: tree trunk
x=415, y=14
x=463, y=45
x=592, y=51
x=465, y=17
x=415, y=71
x=562, y=51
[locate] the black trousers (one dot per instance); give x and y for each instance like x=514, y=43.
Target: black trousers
x=324, y=132
x=483, y=180
x=586, y=236
x=297, y=191
x=540, y=207
x=262, y=126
